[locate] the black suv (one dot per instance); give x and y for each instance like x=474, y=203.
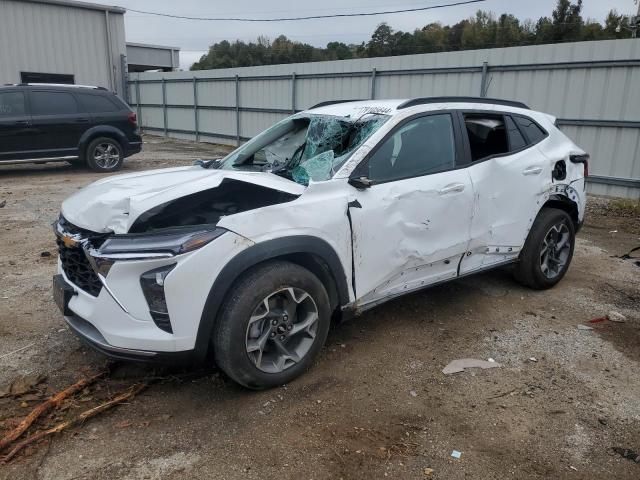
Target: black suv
x=81, y=125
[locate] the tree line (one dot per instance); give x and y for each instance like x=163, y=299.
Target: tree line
x=484, y=30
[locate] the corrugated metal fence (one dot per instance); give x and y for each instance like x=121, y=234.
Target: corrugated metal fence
x=592, y=87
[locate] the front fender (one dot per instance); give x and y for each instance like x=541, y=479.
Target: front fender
x=260, y=252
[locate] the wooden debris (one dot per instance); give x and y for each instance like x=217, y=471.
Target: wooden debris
x=44, y=407
x=122, y=397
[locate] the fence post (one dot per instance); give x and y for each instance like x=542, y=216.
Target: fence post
x=138, y=102
x=293, y=92
x=483, y=81
x=373, y=84
x=164, y=105
x=237, y=110
x=195, y=109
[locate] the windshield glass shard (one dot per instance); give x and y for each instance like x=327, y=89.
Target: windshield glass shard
x=305, y=147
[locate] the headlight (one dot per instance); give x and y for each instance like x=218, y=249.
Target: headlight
x=161, y=244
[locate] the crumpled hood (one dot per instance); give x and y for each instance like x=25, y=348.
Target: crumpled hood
x=114, y=203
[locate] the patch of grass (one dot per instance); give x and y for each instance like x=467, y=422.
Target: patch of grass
x=626, y=207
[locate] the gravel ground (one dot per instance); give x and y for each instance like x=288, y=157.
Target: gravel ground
x=376, y=404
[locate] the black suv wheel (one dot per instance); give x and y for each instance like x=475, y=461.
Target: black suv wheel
x=104, y=155
x=272, y=326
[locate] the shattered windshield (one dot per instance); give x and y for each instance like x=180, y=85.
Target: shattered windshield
x=305, y=147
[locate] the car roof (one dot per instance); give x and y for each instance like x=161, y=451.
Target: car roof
x=394, y=106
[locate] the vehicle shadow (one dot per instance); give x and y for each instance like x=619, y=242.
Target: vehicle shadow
x=429, y=305
x=52, y=168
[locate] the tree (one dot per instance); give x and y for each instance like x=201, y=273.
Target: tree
x=432, y=38
x=613, y=22
x=567, y=21
x=508, y=31
x=544, y=30
x=591, y=31
x=483, y=30
x=338, y=51
x=381, y=43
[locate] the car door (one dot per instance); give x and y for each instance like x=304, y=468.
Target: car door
x=411, y=209
x=58, y=122
x=508, y=174
x=15, y=126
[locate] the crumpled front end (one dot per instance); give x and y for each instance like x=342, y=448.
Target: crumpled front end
x=131, y=246
x=138, y=303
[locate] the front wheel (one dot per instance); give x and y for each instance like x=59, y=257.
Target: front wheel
x=548, y=250
x=104, y=155
x=272, y=326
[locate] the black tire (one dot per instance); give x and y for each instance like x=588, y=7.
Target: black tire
x=229, y=340
x=529, y=271
x=108, y=162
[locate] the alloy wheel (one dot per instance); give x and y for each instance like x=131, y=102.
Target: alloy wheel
x=555, y=251
x=282, y=329
x=106, y=155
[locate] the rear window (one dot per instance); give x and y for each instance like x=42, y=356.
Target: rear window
x=52, y=103
x=516, y=140
x=487, y=135
x=531, y=129
x=97, y=103
x=11, y=103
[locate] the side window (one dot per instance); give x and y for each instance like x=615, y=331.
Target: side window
x=52, y=103
x=531, y=129
x=11, y=103
x=487, y=135
x=516, y=140
x=97, y=103
x=420, y=147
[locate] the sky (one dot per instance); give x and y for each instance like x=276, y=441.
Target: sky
x=195, y=37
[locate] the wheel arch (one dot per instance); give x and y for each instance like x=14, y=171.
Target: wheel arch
x=312, y=253
x=567, y=205
x=101, y=131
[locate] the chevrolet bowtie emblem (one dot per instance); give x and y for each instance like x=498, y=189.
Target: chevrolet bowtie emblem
x=69, y=242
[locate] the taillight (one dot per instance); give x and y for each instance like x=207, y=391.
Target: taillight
x=584, y=160
x=133, y=118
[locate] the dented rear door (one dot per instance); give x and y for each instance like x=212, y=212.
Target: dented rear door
x=411, y=227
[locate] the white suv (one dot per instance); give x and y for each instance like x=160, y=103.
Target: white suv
x=330, y=212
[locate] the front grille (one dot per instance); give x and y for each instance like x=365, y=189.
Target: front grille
x=75, y=264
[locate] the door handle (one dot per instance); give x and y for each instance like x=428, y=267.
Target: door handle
x=532, y=171
x=22, y=123
x=82, y=120
x=451, y=188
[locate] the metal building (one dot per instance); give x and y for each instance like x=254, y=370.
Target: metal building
x=62, y=41
x=142, y=57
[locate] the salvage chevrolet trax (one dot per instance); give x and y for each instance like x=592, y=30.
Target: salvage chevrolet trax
x=329, y=212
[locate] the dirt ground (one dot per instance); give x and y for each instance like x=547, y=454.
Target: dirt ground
x=375, y=405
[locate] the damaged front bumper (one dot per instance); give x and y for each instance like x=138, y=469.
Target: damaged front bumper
x=92, y=337
x=106, y=303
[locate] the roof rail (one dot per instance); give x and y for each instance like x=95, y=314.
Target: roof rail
x=491, y=101
x=66, y=85
x=333, y=102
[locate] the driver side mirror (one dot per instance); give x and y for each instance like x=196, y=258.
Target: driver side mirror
x=211, y=163
x=360, y=183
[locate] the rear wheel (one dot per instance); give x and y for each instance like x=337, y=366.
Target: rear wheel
x=548, y=250
x=272, y=326
x=104, y=155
